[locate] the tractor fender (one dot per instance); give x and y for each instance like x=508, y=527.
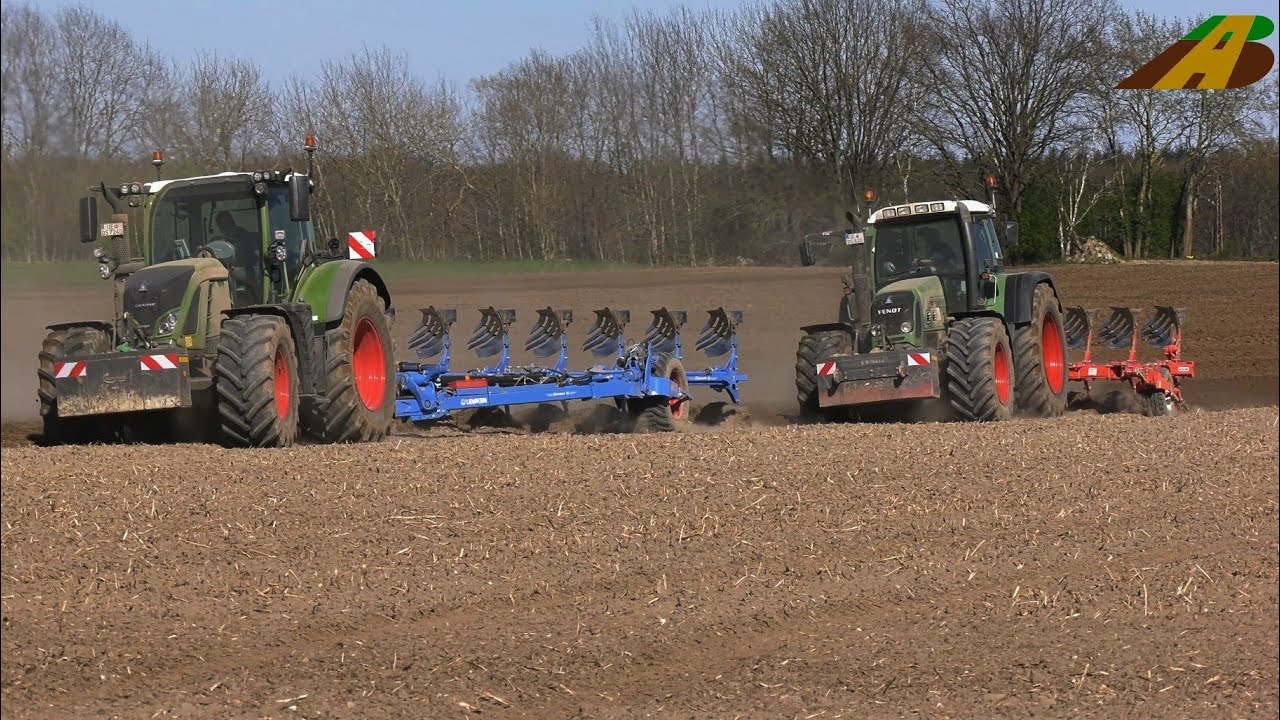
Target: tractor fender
x=102, y=325
x=1019, y=289
x=326, y=288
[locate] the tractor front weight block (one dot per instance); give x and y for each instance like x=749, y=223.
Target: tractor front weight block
x=878, y=377
x=118, y=382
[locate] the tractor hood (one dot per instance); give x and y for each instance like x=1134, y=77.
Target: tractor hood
x=151, y=294
x=905, y=310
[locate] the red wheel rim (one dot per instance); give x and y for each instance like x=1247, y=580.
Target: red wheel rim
x=369, y=364
x=1054, y=357
x=679, y=406
x=1002, y=375
x=281, y=383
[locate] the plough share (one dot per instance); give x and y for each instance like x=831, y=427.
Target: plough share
x=647, y=380
x=1157, y=382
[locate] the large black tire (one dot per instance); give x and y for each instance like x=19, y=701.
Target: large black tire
x=359, y=402
x=256, y=381
x=979, y=372
x=815, y=347
x=653, y=415
x=1040, y=359
x=69, y=341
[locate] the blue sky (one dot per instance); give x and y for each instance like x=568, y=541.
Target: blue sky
x=453, y=39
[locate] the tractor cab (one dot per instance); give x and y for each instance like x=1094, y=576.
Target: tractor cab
x=244, y=224
x=915, y=266
x=953, y=241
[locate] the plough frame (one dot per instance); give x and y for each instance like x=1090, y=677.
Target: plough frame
x=1153, y=380
x=429, y=391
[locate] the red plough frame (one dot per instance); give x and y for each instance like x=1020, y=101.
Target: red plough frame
x=1157, y=382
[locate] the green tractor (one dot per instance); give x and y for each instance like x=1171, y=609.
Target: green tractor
x=229, y=324
x=932, y=326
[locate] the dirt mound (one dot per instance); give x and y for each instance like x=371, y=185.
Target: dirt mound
x=1106, y=566
x=1095, y=252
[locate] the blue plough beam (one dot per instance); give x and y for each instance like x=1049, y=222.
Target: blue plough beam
x=431, y=390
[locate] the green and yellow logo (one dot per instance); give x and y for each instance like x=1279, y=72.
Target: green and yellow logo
x=1220, y=53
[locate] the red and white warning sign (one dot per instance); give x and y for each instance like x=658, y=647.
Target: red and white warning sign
x=914, y=359
x=360, y=245
x=70, y=369
x=167, y=361
x=826, y=368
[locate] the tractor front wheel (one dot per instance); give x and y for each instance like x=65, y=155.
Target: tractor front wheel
x=979, y=372
x=359, y=398
x=664, y=414
x=815, y=347
x=68, y=341
x=256, y=380
x=1039, y=357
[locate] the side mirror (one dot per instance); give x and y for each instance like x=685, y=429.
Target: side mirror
x=299, y=198
x=88, y=219
x=1010, y=233
x=806, y=254
x=854, y=222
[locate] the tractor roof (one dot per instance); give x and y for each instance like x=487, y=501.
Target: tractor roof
x=155, y=185
x=928, y=207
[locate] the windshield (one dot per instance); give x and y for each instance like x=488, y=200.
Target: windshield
x=918, y=249
x=922, y=248
x=224, y=218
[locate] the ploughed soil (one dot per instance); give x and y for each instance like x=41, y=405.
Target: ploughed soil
x=1097, y=565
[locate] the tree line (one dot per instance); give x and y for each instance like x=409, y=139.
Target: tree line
x=691, y=137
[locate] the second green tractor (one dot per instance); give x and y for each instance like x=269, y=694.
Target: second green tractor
x=932, y=325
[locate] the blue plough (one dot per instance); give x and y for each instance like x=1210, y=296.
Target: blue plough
x=642, y=379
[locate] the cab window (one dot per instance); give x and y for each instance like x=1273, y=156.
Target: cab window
x=986, y=246
x=297, y=236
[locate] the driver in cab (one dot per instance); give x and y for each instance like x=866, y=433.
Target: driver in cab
x=247, y=250
x=929, y=245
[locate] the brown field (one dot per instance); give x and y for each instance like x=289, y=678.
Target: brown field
x=1100, y=565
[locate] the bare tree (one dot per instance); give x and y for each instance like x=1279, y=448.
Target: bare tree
x=835, y=81
x=225, y=113
x=1151, y=122
x=1008, y=82
x=30, y=79
x=1218, y=120
x=104, y=77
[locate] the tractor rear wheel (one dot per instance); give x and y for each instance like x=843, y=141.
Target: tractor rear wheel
x=68, y=341
x=256, y=380
x=814, y=347
x=665, y=414
x=979, y=372
x=1040, y=359
x=359, y=398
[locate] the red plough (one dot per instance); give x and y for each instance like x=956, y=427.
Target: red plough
x=1157, y=382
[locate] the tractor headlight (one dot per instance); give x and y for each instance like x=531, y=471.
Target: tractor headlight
x=167, y=324
x=282, y=253
x=906, y=328
x=104, y=270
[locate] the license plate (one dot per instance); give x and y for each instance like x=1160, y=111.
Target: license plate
x=111, y=229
